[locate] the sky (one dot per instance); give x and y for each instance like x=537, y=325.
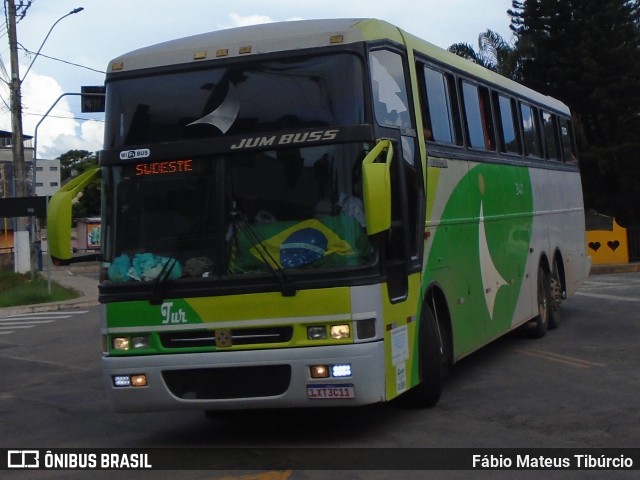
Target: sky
x=79, y=47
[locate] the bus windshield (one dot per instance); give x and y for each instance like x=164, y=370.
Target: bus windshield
x=229, y=215
x=236, y=211
x=243, y=98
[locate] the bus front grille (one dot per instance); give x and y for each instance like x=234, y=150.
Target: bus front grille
x=241, y=336
x=228, y=382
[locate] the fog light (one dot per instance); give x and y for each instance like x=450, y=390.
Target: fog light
x=340, y=331
x=319, y=371
x=139, y=380
x=121, y=343
x=316, y=333
x=140, y=342
x=121, y=381
x=341, y=370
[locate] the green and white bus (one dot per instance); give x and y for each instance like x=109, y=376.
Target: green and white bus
x=321, y=213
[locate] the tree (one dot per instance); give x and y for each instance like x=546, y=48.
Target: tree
x=587, y=53
x=494, y=53
x=72, y=164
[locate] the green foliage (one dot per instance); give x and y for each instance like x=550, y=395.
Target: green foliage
x=18, y=289
x=74, y=163
x=494, y=53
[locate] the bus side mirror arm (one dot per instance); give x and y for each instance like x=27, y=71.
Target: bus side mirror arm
x=376, y=180
x=59, y=218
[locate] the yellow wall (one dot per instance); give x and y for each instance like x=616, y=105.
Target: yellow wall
x=608, y=246
x=6, y=238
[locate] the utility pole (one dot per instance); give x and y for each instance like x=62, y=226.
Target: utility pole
x=20, y=235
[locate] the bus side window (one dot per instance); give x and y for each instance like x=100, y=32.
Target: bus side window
x=508, y=132
x=567, y=141
x=390, y=98
x=477, y=113
x=531, y=130
x=550, y=129
x=440, y=116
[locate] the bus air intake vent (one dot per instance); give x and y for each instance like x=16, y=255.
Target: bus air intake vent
x=228, y=382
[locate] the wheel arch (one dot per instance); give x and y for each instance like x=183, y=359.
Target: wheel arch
x=558, y=260
x=436, y=300
x=543, y=262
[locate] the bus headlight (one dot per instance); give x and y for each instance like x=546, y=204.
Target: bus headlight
x=140, y=342
x=123, y=344
x=316, y=333
x=340, y=331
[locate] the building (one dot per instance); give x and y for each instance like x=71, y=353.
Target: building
x=7, y=190
x=47, y=172
x=7, y=177
x=47, y=177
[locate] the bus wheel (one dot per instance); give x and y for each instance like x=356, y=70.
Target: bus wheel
x=555, y=314
x=430, y=357
x=541, y=322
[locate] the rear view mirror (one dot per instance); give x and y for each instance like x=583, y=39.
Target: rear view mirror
x=376, y=179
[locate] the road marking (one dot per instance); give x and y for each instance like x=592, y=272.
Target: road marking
x=609, y=297
x=556, y=357
x=10, y=323
x=56, y=314
x=16, y=325
x=4, y=323
x=25, y=319
x=272, y=475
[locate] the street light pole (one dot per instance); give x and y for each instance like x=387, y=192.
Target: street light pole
x=75, y=10
x=22, y=254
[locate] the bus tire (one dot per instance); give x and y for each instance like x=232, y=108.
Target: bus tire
x=555, y=285
x=541, y=322
x=430, y=357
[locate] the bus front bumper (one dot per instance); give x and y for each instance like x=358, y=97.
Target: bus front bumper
x=277, y=378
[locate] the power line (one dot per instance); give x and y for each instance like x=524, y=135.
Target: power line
x=26, y=50
x=20, y=14
x=66, y=118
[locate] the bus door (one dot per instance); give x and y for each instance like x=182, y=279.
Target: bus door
x=401, y=243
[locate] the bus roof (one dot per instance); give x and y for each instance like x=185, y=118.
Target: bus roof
x=301, y=34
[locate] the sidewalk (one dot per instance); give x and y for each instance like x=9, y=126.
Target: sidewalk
x=82, y=279
x=623, y=268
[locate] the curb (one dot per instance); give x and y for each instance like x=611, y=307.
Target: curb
x=608, y=269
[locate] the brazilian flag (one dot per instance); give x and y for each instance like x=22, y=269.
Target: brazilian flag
x=316, y=243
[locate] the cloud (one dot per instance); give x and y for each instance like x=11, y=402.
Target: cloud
x=59, y=131
x=238, y=20
x=89, y=137
x=243, y=21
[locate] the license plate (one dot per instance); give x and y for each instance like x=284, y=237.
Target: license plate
x=330, y=392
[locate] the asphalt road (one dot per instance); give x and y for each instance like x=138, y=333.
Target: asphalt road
x=575, y=388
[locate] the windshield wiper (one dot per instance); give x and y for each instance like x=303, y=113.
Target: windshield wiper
x=162, y=279
x=287, y=287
